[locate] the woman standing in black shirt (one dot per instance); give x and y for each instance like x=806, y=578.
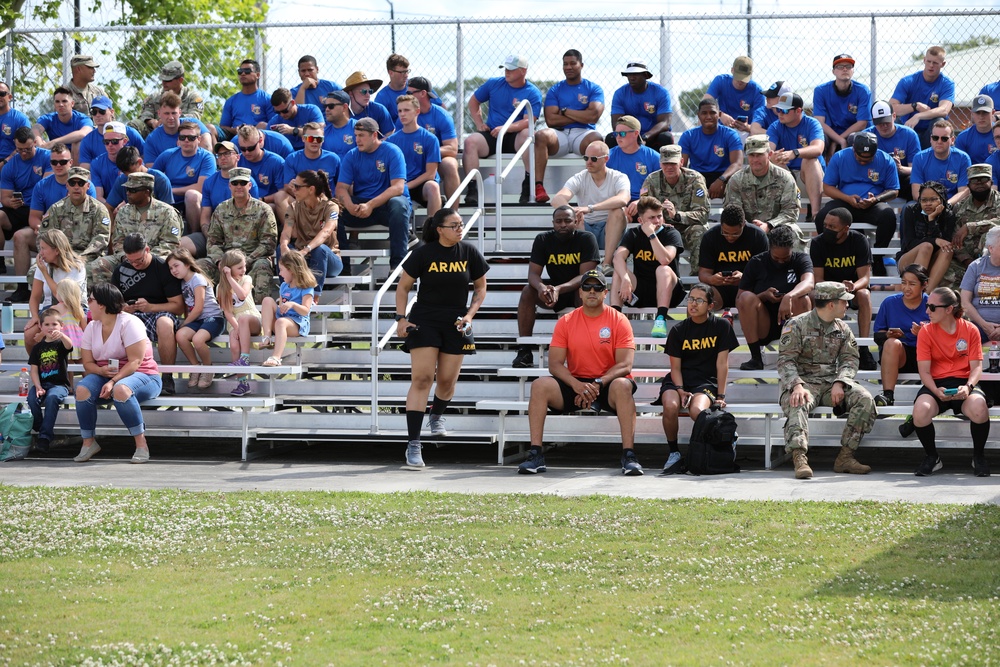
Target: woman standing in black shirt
x=438, y=329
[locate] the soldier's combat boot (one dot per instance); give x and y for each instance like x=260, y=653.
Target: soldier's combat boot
x=801, y=463
x=847, y=463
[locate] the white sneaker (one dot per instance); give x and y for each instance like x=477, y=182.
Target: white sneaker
x=436, y=424
x=414, y=458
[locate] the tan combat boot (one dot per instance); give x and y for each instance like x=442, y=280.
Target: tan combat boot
x=847, y=463
x=801, y=463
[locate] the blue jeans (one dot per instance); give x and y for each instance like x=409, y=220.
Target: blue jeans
x=144, y=387
x=323, y=262
x=54, y=395
x=394, y=214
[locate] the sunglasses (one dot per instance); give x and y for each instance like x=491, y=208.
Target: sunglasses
x=933, y=307
x=935, y=137
x=783, y=111
x=187, y=137
x=112, y=142
x=592, y=287
x=366, y=91
x=76, y=182
x=287, y=109
x=333, y=105
x=245, y=70
x=248, y=149
x=95, y=111
x=296, y=186
x=4, y=93
x=588, y=158
x=457, y=225
x=240, y=184
x=59, y=163
x=136, y=190
x=312, y=139
x=624, y=133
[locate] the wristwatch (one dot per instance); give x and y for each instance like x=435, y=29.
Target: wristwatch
x=914, y=105
x=295, y=131
x=795, y=152
x=599, y=382
x=971, y=387
x=652, y=236
x=399, y=317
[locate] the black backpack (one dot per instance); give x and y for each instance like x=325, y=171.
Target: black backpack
x=713, y=443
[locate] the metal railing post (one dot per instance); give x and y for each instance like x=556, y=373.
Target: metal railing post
x=874, y=54
x=258, y=55
x=460, y=107
x=67, y=54
x=8, y=65
x=666, y=70
x=501, y=174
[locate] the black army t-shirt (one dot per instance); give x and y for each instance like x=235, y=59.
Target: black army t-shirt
x=562, y=258
x=644, y=262
x=155, y=284
x=841, y=261
x=445, y=274
x=717, y=254
x=698, y=347
x=763, y=273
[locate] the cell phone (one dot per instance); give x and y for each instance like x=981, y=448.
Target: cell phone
x=17, y=196
x=742, y=119
x=950, y=392
x=634, y=299
x=727, y=274
x=896, y=329
x=131, y=302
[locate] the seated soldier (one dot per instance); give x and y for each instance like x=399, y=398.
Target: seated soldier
x=266, y=168
x=216, y=188
x=187, y=167
x=289, y=116
x=798, y=145
x=422, y=153
x=766, y=192
x=725, y=251
x=713, y=150
x=775, y=287
x=654, y=248
x=975, y=215
x=565, y=253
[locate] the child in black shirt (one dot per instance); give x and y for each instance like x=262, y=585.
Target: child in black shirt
x=49, y=376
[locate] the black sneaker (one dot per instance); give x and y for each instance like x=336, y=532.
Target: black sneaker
x=524, y=359
x=981, y=466
x=884, y=401
x=20, y=295
x=907, y=428
x=752, y=365
x=525, y=190
x=867, y=362
x=932, y=463
x=630, y=464
x=42, y=445
x=168, y=385
x=534, y=464
x=472, y=198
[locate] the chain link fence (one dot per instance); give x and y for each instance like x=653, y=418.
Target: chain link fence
x=683, y=52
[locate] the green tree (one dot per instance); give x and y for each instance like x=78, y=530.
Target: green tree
x=689, y=100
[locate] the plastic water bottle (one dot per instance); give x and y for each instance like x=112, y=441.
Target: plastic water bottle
x=995, y=357
x=7, y=319
x=23, y=383
x=727, y=315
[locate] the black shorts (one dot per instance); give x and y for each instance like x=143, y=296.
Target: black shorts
x=728, y=294
x=18, y=218
x=950, y=383
x=569, y=396
x=200, y=245
x=565, y=301
x=667, y=384
x=445, y=338
x=774, y=333
x=910, y=365
x=417, y=195
x=645, y=290
x=491, y=142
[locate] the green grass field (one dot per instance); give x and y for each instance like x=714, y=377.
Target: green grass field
x=110, y=577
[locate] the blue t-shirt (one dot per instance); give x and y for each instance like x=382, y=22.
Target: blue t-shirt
x=216, y=190
x=162, y=188
x=847, y=175
x=56, y=128
x=993, y=90
x=644, y=106
x=379, y=114
x=578, y=98
x=978, y=145
x=49, y=191
x=951, y=173
x=243, y=109
x=288, y=293
x=994, y=161
x=305, y=113
x=387, y=97
x=182, y=170
x=315, y=96
x=371, y=173
x=893, y=314
x=787, y=138
x=93, y=144
x=9, y=122
x=709, y=152
x=637, y=166
x=22, y=175
x=842, y=111
x=339, y=141
x=159, y=141
x=503, y=98
x=436, y=121
x=269, y=172
x=275, y=142
x=903, y=144
x=104, y=172
x=736, y=102
x=419, y=148
x=327, y=161
x=913, y=88
x=764, y=117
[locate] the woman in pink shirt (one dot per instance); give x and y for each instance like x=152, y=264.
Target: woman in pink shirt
x=119, y=366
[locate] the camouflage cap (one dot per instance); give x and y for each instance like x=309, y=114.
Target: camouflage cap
x=981, y=170
x=140, y=180
x=84, y=173
x=171, y=71
x=594, y=275
x=670, y=154
x=237, y=174
x=829, y=290
x=83, y=60
x=630, y=122
x=757, y=143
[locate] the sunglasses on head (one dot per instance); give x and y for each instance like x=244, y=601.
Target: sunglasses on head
x=187, y=137
x=590, y=158
x=935, y=137
x=112, y=142
x=77, y=182
x=312, y=140
x=592, y=287
x=59, y=163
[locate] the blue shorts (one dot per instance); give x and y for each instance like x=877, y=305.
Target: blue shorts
x=301, y=320
x=213, y=325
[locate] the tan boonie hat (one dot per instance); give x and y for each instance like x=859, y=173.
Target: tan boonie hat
x=140, y=179
x=757, y=143
x=360, y=78
x=981, y=170
x=829, y=290
x=742, y=69
x=630, y=122
x=171, y=71
x=237, y=174
x=83, y=60
x=84, y=173
x=670, y=154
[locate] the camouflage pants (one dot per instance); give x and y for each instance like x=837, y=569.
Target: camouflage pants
x=261, y=272
x=692, y=244
x=100, y=270
x=860, y=415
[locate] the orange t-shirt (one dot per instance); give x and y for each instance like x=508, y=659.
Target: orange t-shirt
x=949, y=354
x=590, y=342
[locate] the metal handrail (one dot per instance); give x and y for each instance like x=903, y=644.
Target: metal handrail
x=378, y=344
x=501, y=173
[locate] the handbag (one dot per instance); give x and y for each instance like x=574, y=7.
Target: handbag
x=15, y=432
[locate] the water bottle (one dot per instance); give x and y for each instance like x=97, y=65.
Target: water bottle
x=995, y=357
x=23, y=383
x=7, y=319
x=727, y=315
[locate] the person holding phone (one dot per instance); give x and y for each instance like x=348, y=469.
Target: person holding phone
x=926, y=230
x=950, y=363
x=899, y=319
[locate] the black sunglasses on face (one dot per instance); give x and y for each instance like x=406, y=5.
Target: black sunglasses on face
x=188, y=137
x=248, y=149
x=592, y=287
x=112, y=142
x=245, y=70
x=59, y=163
x=76, y=182
x=933, y=307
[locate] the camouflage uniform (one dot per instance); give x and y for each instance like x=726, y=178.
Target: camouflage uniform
x=87, y=227
x=160, y=225
x=690, y=197
x=978, y=221
x=773, y=198
x=253, y=230
x=192, y=106
x=82, y=97
x=816, y=354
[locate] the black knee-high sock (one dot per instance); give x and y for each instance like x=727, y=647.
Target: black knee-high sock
x=980, y=432
x=439, y=405
x=755, y=350
x=672, y=444
x=414, y=420
x=926, y=435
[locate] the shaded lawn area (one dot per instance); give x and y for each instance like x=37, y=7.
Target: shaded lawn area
x=119, y=577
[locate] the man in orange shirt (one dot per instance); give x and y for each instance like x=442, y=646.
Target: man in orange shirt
x=590, y=360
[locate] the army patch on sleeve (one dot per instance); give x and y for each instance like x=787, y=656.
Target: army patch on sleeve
x=699, y=193
x=175, y=231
